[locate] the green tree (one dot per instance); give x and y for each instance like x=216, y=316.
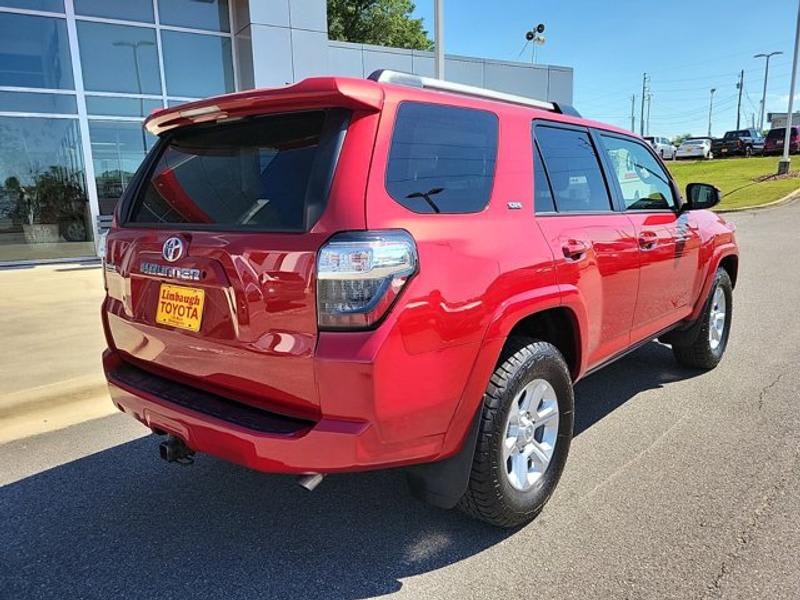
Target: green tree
x=379, y=22
x=678, y=139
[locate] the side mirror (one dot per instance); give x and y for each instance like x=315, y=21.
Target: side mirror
x=701, y=196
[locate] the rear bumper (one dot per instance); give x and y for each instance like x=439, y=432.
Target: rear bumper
x=276, y=445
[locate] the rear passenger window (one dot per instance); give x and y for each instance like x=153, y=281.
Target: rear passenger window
x=574, y=170
x=442, y=158
x=543, y=196
x=643, y=182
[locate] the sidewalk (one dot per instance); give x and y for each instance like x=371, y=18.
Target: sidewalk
x=50, y=373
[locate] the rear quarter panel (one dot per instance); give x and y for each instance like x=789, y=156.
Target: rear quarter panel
x=472, y=268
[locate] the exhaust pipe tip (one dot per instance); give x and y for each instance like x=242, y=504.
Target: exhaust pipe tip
x=311, y=481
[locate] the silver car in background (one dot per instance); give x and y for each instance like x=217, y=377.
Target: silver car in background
x=662, y=146
x=697, y=148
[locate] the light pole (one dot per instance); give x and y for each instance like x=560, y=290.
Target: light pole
x=134, y=46
x=438, y=39
x=710, y=109
x=783, y=165
x=766, y=75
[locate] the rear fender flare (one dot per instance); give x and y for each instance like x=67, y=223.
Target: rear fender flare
x=505, y=317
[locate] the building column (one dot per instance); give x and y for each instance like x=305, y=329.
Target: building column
x=280, y=41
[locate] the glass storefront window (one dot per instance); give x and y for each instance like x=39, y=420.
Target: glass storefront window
x=34, y=52
x=44, y=211
x=130, y=10
x=197, y=65
x=33, y=102
x=117, y=58
x=118, y=148
x=48, y=5
x=205, y=14
x=121, y=107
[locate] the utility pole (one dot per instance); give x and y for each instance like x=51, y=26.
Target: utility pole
x=766, y=75
x=710, y=110
x=783, y=166
x=633, y=113
x=438, y=38
x=740, y=87
x=644, y=93
x=649, y=100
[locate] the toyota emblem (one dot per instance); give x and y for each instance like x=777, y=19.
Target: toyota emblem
x=173, y=249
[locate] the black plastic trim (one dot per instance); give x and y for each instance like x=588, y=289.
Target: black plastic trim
x=206, y=403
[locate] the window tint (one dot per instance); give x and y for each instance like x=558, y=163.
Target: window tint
x=542, y=195
x=574, y=170
x=442, y=158
x=644, y=184
x=266, y=174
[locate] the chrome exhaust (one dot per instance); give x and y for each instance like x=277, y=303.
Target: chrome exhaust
x=311, y=481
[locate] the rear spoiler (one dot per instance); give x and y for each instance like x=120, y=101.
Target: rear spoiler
x=316, y=92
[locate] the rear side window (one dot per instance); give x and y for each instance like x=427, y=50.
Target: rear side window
x=442, y=158
x=267, y=174
x=574, y=170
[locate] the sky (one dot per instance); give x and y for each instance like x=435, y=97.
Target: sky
x=686, y=46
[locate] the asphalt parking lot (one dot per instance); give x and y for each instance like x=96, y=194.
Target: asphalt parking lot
x=679, y=485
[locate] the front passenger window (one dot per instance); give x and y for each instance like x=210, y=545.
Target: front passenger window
x=644, y=183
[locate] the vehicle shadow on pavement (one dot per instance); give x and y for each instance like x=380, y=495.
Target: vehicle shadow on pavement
x=121, y=523
x=650, y=367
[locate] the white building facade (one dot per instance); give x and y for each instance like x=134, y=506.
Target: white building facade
x=77, y=78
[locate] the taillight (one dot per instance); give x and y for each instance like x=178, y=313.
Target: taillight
x=359, y=276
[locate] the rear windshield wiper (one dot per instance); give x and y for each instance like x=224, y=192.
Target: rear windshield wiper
x=427, y=197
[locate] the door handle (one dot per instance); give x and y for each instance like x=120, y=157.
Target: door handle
x=648, y=240
x=575, y=249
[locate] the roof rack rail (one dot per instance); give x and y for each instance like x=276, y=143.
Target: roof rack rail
x=400, y=78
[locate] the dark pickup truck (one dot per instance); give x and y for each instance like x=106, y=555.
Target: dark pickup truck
x=742, y=142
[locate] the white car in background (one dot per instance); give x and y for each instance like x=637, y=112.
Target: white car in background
x=699, y=147
x=662, y=146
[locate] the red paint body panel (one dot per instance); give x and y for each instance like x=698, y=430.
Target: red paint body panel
x=405, y=392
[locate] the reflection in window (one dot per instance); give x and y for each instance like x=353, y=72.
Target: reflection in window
x=117, y=58
x=118, y=148
x=130, y=10
x=34, y=52
x=43, y=201
x=197, y=14
x=40, y=103
x=121, y=107
x=643, y=182
x=48, y=5
x=197, y=65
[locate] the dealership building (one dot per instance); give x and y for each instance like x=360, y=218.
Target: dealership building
x=77, y=78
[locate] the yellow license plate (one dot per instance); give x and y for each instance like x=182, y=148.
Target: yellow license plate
x=180, y=306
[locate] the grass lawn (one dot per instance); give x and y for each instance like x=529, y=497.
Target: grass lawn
x=738, y=178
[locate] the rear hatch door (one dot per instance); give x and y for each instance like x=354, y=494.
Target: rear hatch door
x=210, y=274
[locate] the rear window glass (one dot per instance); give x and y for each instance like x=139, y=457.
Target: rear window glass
x=442, y=158
x=268, y=174
x=780, y=132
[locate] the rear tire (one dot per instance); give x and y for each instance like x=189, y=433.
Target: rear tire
x=707, y=349
x=511, y=481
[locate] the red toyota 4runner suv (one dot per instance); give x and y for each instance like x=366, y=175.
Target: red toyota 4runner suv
x=343, y=275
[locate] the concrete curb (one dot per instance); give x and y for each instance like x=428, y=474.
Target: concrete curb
x=785, y=200
x=54, y=406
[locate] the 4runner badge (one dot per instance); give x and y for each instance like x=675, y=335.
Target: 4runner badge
x=171, y=272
